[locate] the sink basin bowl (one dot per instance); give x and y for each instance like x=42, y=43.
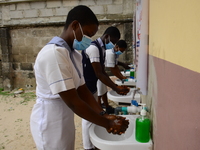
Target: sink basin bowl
x=130, y=82
x=105, y=141
x=113, y=96
x=127, y=73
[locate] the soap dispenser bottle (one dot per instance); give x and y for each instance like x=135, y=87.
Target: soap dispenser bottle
x=132, y=73
x=142, y=132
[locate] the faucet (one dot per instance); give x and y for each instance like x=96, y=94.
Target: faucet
x=136, y=90
x=123, y=80
x=134, y=108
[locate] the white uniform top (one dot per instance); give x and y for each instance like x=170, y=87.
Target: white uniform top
x=93, y=52
x=111, y=58
x=110, y=61
x=57, y=68
x=55, y=71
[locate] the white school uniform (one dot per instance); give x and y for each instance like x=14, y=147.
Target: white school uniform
x=93, y=53
x=101, y=88
x=110, y=61
x=111, y=58
x=52, y=121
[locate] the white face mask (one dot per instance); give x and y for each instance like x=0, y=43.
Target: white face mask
x=84, y=43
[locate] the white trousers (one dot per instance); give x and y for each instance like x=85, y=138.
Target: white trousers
x=87, y=144
x=52, y=125
x=101, y=88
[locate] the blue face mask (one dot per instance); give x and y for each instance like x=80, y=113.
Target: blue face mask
x=83, y=44
x=118, y=52
x=110, y=45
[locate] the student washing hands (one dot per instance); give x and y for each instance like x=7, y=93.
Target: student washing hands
x=61, y=90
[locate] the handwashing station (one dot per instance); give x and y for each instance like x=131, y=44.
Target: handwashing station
x=127, y=141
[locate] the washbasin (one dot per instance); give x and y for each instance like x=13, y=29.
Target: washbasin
x=114, y=96
x=127, y=73
x=128, y=82
x=101, y=139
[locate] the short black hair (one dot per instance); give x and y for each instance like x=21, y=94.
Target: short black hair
x=113, y=32
x=83, y=14
x=122, y=44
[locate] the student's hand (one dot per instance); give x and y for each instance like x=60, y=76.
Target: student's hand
x=118, y=124
x=125, y=65
x=124, y=77
x=122, y=90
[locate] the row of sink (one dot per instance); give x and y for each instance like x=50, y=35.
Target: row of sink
x=105, y=141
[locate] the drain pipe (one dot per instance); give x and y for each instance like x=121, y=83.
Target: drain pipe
x=121, y=109
x=134, y=108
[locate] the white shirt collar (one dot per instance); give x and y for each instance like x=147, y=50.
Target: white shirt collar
x=100, y=42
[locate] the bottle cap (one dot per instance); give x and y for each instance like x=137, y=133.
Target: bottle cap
x=131, y=79
x=143, y=111
x=134, y=102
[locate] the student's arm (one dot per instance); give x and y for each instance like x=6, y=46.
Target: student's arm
x=103, y=76
x=111, y=63
x=115, y=71
x=77, y=101
x=125, y=65
x=85, y=94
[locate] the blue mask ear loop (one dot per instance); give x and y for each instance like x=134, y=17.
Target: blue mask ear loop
x=105, y=42
x=109, y=40
x=71, y=56
x=81, y=31
x=83, y=35
x=74, y=34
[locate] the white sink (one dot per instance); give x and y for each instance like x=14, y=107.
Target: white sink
x=126, y=74
x=130, y=82
x=113, y=96
x=101, y=139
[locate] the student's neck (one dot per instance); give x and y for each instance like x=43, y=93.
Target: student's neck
x=67, y=39
x=103, y=39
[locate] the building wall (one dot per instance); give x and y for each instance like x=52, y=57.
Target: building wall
x=31, y=24
x=174, y=74
x=51, y=11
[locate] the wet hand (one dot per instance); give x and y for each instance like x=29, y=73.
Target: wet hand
x=126, y=66
x=122, y=90
x=118, y=124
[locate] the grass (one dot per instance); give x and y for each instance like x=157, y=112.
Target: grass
x=27, y=96
x=2, y=146
x=5, y=93
x=19, y=120
x=11, y=100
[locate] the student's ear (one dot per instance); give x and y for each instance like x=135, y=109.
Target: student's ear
x=75, y=25
x=106, y=38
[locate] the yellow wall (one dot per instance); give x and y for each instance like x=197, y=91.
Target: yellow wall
x=175, y=32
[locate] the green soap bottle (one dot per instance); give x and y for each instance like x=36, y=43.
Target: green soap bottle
x=142, y=132
x=132, y=73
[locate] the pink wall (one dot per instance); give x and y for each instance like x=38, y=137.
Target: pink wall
x=177, y=107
